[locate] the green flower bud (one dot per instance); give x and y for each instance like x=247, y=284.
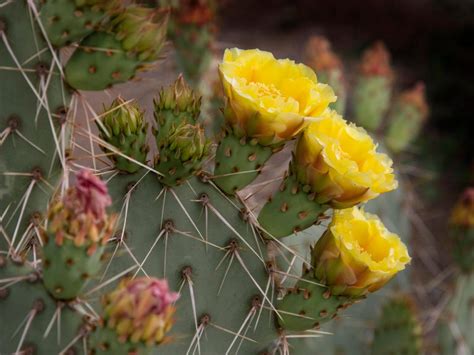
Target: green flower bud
x=124, y=127
x=176, y=104
x=188, y=142
x=141, y=30
x=181, y=153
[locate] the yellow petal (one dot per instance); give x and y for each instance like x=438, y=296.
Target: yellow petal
x=270, y=97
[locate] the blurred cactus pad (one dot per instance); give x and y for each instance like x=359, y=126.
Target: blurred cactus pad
x=369, y=94
x=126, y=230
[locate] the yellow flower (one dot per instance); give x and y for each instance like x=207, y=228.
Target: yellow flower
x=339, y=161
x=268, y=98
x=357, y=254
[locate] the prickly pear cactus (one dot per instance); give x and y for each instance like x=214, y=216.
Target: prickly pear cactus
x=398, y=331
x=67, y=21
x=191, y=30
x=373, y=88
x=114, y=54
x=454, y=333
x=455, y=328
x=160, y=256
x=396, y=121
x=35, y=112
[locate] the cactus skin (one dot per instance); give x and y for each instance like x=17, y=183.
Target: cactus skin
x=406, y=118
x=18, y=300
x=307, y=305
x=68, y=268
x=133, y=38
x=125, y=129
x=104, y=341
x=398, y=331
x=182, y=251
x=290, y=209
x=373, y=89
x=238, y=162
x=91, y=69
x=68, y=21
x=18, y=104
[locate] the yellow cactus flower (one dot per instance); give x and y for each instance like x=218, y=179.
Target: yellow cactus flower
x=357, y=254
x=269, y=99
x=339, y=161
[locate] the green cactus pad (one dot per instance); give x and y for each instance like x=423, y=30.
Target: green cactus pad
x=398, y=331
x=27, y=299
x=174, y=171
x=33, y=127
x=99, y=63
x=289, y=210
x=308, y=304
x=66, y=22
x=68, y=268
x=405, y=122
x=181, y=237
x=372, y=96
x=104, y=341
x=238, y=162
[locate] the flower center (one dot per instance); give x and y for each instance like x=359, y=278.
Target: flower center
x=265, y=89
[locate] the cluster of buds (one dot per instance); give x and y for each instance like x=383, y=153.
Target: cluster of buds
x=179, y=97
x=123, y=126
x=141, y=30
x=188, y=142
x=140, y=310
x=181, y=153
x=81, y=215
x=123, y=118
